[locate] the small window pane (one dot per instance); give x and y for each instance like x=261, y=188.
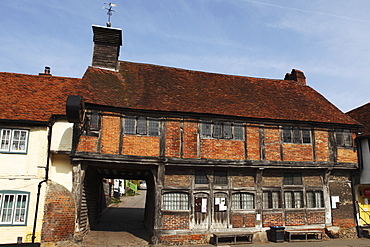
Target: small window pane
x=347, y=138
x=5, y=139
x=339, y=137
x=206, y=129
x=296, y=135
x=315, y=199
x=175, y=201
x=220, y=177
x=292, y=179
x=217, y=130
x=227, y=130
x=130, y=125
x=94, y=120
x=19, y=140
x=287, y=134
x=20, y=209
x=243, y=201
x=7, y=209
x=306, y=136
x=298, y=199
x=201, y=177
x=288, y=199
x=271, y=199
x=238, y=131
x=153, y=127
x=141, y=125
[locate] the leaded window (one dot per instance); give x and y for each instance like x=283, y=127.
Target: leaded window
x=220, y=177
x=201, y=177
x=296, y=135
x=243, y=201
x=271, y=199
x=141, y=126
x=343, y=138
x=293, y=199
x=315, y=199
x=176, y=201
x=292, y=179
x=222, y=130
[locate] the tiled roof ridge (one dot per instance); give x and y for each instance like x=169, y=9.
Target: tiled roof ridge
x=43, y=76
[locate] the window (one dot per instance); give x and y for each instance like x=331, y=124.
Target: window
x=271, y=199
x=293, y=199
x=141, y=125
x=296, y=135
x=315, y=199
x=222, y=130
x=243, y=201
x=13, y=208
x=94, y=120
x=343, y=138
x=13, y=140
x=201, y=177
x=292, y=179
x=175, y=201
x=220, y=177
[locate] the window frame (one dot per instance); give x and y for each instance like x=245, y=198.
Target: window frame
x=293, y=200
x=315, y=200
x=345, y=139
x=270, y=200
x=296, y=135
x=220, y=178
x=222, y=130
x=10, y=140
x=140, y=125
x=242, y=201
x=170, y=197
x=200, y=177
x=15, y=207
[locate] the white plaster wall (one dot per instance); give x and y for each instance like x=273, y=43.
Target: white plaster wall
x=61, y=170
x=61, y=139
x=365, y=173
x=23, y=172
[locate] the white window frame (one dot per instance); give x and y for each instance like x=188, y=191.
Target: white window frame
x=14, y=208
x=12, y=146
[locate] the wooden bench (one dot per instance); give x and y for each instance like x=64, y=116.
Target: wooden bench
x=233, y=238
x=308, y=235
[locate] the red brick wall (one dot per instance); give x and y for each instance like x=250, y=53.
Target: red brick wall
x=243, y=220
x=272, y=219
x=173, y=139
x=59, y=214
x=253, y=143
x=140, y=145
x=242, y=179
x=295, y=218
x=322, y=146
x=180, y=178
x=312, y=180
x=88, y=144
x=297, y=152
x=222, y=149
x=315, y=218
x=110, y=133
x=272, y=144
x=347, y=155
x=190, y=140
x=175, y=222
x=184, y=239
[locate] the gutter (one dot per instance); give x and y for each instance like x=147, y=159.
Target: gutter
x=50, y=125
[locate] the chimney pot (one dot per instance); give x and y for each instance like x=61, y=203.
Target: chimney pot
x=46, y=71
x=297, y=76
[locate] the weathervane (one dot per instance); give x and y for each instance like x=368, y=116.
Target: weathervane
x=110, y=10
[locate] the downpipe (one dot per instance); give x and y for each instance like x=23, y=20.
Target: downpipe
x=50, y=125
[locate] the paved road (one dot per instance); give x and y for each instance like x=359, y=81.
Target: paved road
x=120, y=224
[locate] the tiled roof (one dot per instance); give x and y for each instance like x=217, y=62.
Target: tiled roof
x=152, y=87
x=34, y=98
x=362, y=115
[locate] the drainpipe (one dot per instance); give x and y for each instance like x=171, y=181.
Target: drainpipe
x=50, y=125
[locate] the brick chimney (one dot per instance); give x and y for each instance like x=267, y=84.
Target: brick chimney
x=107, y=43
x=297, y=76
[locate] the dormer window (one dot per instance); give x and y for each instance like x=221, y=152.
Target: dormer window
x=296, y=135
x=222, y=130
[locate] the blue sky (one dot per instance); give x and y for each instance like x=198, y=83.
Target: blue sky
x=328, y=40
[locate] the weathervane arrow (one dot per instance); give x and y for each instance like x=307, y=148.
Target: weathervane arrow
x=110, y=10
